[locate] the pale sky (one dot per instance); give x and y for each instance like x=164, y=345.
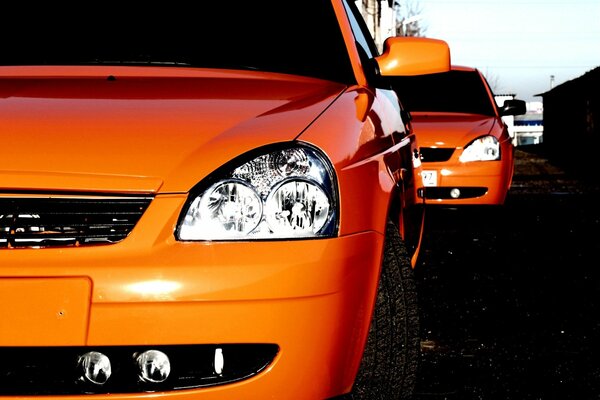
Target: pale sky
x=518, y=44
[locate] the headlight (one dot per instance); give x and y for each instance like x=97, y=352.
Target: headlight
x=283, y=193
x=485, y=148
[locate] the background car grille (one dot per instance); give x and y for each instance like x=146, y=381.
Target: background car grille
x=435, y=154
x=43, y=221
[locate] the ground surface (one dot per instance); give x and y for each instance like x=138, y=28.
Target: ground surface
x=510, y=297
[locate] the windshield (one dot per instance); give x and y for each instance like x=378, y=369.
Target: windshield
x=278, y=36
x=454, y=91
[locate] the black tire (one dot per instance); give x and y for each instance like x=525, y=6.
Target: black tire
x=389, y=366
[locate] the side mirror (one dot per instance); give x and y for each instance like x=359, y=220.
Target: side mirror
x=513, y=107
x=406, y=56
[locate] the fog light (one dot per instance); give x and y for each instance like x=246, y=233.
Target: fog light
x=95, y=368
x=154, y=366
x=455, y=193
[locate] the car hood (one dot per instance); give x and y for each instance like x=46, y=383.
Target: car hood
x=142, y=129
x=450, y=130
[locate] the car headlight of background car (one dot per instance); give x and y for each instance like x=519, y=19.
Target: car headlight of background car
x=278, y=193
x=485, y=148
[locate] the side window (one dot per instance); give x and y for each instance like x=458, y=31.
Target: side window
x=362, y=35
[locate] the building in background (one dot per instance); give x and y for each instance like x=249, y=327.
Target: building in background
x=380, y=16
x=387, y=18
x=572, y=121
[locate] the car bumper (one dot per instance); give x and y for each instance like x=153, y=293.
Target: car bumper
x=312, y=298
x=476, y=183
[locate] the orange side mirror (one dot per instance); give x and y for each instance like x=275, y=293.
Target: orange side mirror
x=404, y=56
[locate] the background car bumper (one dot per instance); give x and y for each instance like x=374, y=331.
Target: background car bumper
x=478, y=183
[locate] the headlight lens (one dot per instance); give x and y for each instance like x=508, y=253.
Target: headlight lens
x=285, y=193
x=485, y=148
x=297, y=208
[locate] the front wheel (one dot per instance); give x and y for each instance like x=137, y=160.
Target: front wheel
x=390, y=360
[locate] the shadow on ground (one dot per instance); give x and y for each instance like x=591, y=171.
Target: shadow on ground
x=510, y=296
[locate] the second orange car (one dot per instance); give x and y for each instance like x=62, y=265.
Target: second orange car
x=466, y=149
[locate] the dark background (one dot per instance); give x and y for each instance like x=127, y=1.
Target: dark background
x=510, y=295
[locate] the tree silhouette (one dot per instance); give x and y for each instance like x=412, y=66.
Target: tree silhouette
x=408, y=18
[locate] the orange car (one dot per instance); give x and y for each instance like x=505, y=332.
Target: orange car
x=200, y=211
x=465, y=146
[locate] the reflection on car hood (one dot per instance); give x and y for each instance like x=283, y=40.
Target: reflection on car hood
x=450, y=130
x=142, y=129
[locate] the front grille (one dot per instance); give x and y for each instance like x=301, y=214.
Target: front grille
x=54, y=371
x=436, y=154
x=45, y=221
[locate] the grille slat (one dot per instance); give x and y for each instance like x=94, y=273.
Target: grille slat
x=45, y=221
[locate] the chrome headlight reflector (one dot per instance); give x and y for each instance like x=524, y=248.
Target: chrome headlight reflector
x=284, y=193
x=297, y=208
x=485, y=148
x=228, y=208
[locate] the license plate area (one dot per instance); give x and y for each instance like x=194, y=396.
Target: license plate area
x=44, y=311
x=430, y=178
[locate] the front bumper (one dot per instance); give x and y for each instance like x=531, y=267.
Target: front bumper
x=475, y=183
x=311, y=298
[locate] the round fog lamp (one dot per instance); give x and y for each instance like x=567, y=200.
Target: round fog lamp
x=154, y=366
x=455, y=193
x=95, y=368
